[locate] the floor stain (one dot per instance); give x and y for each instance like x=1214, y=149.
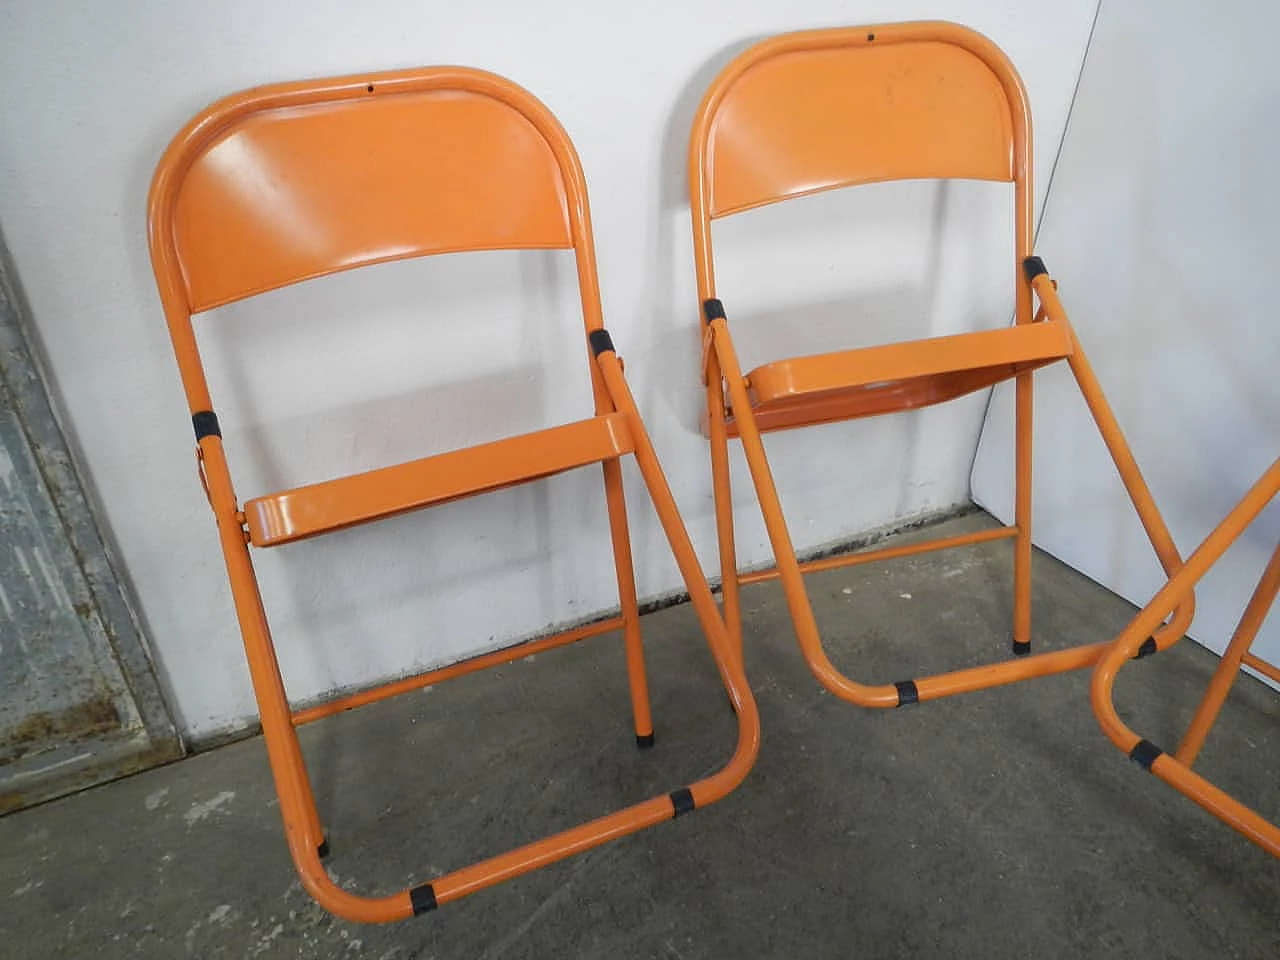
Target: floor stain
x=156, y=800
x=202, y=811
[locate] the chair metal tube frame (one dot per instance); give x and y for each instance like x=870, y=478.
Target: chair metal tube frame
x=205, y=273
x=774, y=171
x=1175, y=769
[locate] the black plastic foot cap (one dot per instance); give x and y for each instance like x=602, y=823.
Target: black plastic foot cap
x=600, y=342
x=645, y=742
x=908, y=693
x=323, y=849
x=681, y=802
x=1021, y=648
x=423, y=899
x=1147, y=649
x=1145, y=753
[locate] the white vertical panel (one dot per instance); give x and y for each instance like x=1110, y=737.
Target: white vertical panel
x=1161, y=229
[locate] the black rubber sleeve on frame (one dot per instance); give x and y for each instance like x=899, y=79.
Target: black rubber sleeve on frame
x=681, y=802
x=206, y=424
x=1145, y=754
x=423, y=899
x=713, y=309
x=1021, y=648
x=1147, y=649
x=645, y=742
x=907, y=692
x=600, y=342
x=1033, y=267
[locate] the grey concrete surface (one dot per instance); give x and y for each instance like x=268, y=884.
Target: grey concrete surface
x=1000, y=824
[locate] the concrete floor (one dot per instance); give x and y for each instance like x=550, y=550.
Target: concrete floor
x=1000, y=824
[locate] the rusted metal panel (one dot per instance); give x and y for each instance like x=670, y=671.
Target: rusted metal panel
x=79, y=702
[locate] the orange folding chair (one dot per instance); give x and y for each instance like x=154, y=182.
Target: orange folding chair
x=807, y=112
x=1175, y=769
x=385, y=167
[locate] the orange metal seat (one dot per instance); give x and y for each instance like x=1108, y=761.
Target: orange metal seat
x=898, y=376
x=321, y=507
x=289, y=182
x=807, y=112
x=1175, y=768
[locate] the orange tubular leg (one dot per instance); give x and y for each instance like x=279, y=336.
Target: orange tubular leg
x=698, y=794
x=790, y=571
x=1135, y=484
x=730, y=584
x=302, y=824
x=616, y=498
x=784, y=553
x=843, y=560
x=1024, y=407
x=417, y=681
x=297, y=804
x=884, y=695
x=1167, y=767
x=704, y=603
x=1250, y=621
x=1268, y=670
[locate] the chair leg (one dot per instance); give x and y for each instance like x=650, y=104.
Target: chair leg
x=616, y=498
x=302, y=829
x=664, y=504
x=288, y=767
x=921, y=689
x=679, y=802
x=1022, y=516
x=1169, y=767
x=904, y=692
x=806, y=627
x=1134, y=483
x=730, y=589
x=1251, y=620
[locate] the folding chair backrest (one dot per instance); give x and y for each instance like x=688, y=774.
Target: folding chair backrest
x=811, y=111
x=286, y=183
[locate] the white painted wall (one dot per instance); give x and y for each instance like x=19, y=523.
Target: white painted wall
x=1161, y=231
x=329, y=377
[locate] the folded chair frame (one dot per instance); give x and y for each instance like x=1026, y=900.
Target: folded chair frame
x=817, y=110
x=1175, y=768
x=209, y=247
